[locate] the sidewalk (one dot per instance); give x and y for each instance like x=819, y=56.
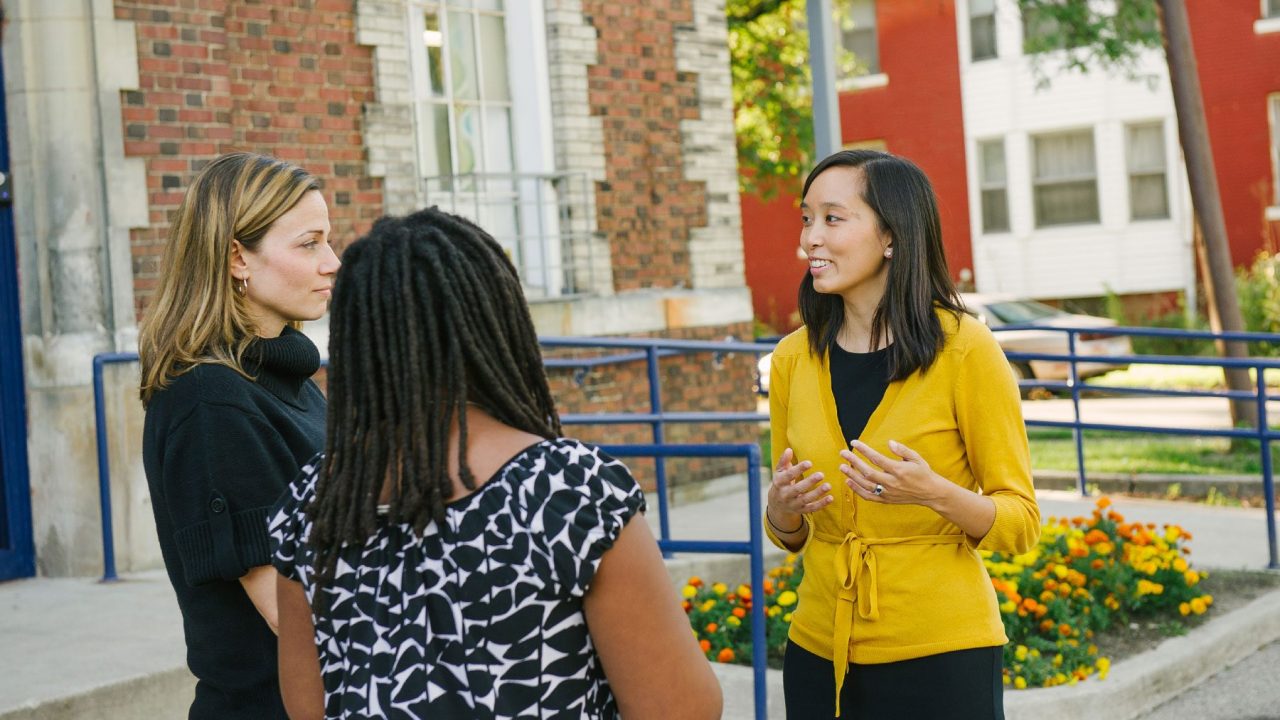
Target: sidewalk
x=76, y=648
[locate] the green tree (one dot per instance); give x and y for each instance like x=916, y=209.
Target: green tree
x=772, y=91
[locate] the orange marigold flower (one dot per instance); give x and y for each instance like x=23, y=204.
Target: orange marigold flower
x=1097, y=564
x=1029, y=603
x=739, y=613
x=705, y=645
x=1095, y=536
x=1046, y=625
x=1065, y=629
x=695, y=581
x=711, y=627
x=1104, y=502
x=725, y=656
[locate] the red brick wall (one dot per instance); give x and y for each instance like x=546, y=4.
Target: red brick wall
x=282, y=77
x=918, y=115
x=645, y=206
x=1238, y=69
x=690, y=382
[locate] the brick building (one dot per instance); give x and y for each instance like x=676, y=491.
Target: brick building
x=1068, y=190
x=593, y=138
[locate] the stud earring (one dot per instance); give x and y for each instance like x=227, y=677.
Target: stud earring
x=888, y=252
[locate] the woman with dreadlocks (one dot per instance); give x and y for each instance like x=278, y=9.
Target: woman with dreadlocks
x=451, y=555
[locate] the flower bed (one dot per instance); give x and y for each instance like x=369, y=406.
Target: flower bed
x=1085, y=575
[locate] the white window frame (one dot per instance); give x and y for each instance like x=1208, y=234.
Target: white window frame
x=1273, y=115
x=985, y=185
x=1268, y=17
x=875, y=76
x=1163, y=172
x=529, y=101
x=1036, y=184
x=995, y=31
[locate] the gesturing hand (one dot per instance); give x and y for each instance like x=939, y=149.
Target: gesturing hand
x=906, y=481
x=791, y=494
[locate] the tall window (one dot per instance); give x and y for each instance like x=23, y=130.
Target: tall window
x=982, y=29
x=1271, y=8
x=1144, y=155
x=464, y=99
x=994, y=186
x=1064, y=178
x=858, y=35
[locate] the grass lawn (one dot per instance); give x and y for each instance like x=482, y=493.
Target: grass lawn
x=1174, y=377
x=1054, y=449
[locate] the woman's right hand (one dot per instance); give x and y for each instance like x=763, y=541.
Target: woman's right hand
x=791, y=495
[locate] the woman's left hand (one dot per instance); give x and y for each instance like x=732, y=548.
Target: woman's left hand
x=900, y=482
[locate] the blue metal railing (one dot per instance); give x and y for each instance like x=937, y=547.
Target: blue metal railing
x=1262, y=432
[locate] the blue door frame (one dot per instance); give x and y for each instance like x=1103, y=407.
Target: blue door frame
x=17, y=551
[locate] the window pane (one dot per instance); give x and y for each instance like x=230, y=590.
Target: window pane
x=1145, y=148
x=982, y=37
x=995, y=211
x=462, y=56
x=493, y=54
x=433, y=39
x=991, y=165
x=981, y=7
x=434, y=134
x=1147, y=197
x=1066, y=203
x=468, y=119
x=858, y=33
x=497, y=140
x=1062, y=157
x=1273, y=8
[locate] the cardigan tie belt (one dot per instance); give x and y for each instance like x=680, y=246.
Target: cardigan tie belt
x=858, y=586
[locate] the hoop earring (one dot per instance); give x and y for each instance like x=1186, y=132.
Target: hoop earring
x=243, y=287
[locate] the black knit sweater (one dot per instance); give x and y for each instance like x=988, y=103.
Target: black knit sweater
x=218, y=451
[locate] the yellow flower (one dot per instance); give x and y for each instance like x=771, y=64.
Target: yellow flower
x=710, y=603
x=733, y=621
x=1020, y=653
x=720, y=588
x=744, y=592
x=1020, y=683
x=1061, y=571
x=1184, y=608
x=1192, y=577
x=1208, y=599
x=1197, y=606
x=786, y=618
x=689, y=591
x=787, y=598
x=1008, y=606
x=1180, y=565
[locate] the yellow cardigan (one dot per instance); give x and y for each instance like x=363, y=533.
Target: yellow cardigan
x=883, y=582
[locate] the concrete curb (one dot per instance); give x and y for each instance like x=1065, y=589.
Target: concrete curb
x=1135, y=685
x=165, y=694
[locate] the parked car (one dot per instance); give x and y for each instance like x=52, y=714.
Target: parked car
x=998, y=310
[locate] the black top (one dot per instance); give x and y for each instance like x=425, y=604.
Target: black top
x=858, y=382
x=219, y=451
x=480, y=616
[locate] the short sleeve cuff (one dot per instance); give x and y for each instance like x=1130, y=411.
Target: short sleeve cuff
x=212, y=550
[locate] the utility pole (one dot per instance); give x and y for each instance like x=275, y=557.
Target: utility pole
x=1193, y=133
x=822, y=67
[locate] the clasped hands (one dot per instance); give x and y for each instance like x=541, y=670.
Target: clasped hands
x=902, y=481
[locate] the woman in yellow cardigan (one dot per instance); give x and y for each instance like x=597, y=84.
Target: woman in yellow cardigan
x=897, y=617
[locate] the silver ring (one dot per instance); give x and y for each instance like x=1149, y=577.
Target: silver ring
x=879, y=489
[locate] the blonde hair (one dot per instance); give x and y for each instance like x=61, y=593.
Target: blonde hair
x=196, y=315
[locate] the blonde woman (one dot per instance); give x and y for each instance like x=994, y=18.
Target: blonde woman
x=232, y=413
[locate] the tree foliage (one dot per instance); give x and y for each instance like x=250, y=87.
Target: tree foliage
x=1088, y=35
x=773, y=91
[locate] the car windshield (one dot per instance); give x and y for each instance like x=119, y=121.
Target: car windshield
x=1020, y=312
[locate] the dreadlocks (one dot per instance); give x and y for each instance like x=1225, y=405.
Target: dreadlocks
x=427, y=315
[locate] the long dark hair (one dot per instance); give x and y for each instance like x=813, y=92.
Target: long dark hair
x=900, y=194
x=427, y=315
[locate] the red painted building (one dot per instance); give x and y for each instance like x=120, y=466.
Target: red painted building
x=912, y=105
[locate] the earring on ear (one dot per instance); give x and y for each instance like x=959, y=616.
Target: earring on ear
x=888, y=252
x=244, y=286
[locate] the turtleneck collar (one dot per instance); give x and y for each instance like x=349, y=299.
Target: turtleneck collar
x=282, y=364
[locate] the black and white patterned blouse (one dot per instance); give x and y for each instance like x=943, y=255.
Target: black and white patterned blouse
x=478, y=618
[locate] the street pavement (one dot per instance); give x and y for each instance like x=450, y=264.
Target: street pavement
x=1244, y=691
